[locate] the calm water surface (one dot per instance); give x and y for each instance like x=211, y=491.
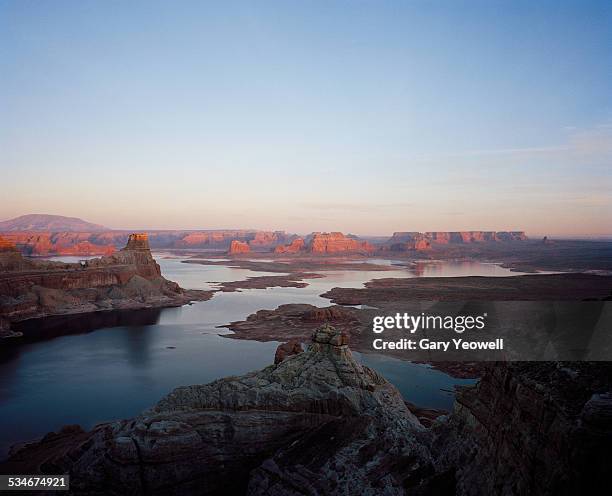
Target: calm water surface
x=115, y=364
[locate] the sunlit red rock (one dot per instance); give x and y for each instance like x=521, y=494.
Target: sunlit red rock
x=238, y=247
x=336, y=242
x=295, y=246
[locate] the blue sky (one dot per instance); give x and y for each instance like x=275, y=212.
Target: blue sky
x=368, y=117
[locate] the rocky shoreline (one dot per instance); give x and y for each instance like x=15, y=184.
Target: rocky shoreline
x=128, y=279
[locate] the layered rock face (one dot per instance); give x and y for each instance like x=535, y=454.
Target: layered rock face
x=474, y=236
x=408, y=241
x=317, y=422
x=266, y=240
x=324, y=243
x=336, y=242
x=295, y=246
x=63, y=243
x=129, y=278
x=104, y=243
x=530, y=428
x=238, y=247
x=257, y=240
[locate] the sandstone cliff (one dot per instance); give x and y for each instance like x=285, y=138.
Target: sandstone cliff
x=295, y=246
x=336, y=242
x=530, y=428
x=62, y=243
x=326, y=243
x=408, y=241
x=129, y=278
x=238, y=247
x=46, y=243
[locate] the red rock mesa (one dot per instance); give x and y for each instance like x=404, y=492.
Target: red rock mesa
x=405, y=241
x=321, y=243
x=238, y=247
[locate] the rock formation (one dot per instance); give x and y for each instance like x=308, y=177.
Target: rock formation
x=405, y=241
x=238, y=247
x=46, y=243
x=257, y=240
x=266, y=240
x=318, y=422
x=295, y=246
x=317, y=417
x=530, y=428
x=286, y=350
x=64, y=243
x=336, y=242
x=129, y=278
x=326, y=243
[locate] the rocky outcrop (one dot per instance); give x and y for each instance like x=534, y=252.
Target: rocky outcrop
x=47, y=243
x=257, y=240
x=129, y=278
x=63, y=243
x=474, y=236
x=530, y=428
x=336, y=242
x=408, y=241
x=318, y=422
x=326, y=243
x=286, y=350
x=295, y=246
x=265, y=240
x=238, y=247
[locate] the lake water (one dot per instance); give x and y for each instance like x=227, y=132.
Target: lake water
x=113, y=365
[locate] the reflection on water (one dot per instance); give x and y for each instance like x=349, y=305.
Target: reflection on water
x=70, y=258
x=418, y=383
x=92, y=368
x=459, y=269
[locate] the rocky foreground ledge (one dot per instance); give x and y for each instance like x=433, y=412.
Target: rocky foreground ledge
x=127, y=279
x=317, y=422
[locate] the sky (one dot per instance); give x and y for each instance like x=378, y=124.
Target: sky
x=358, y=116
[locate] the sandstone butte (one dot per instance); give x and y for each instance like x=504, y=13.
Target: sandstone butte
x=238, y=247
x=129, y=278
x=322, y=243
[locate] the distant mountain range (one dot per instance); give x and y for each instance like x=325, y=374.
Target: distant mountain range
x=49, y=223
